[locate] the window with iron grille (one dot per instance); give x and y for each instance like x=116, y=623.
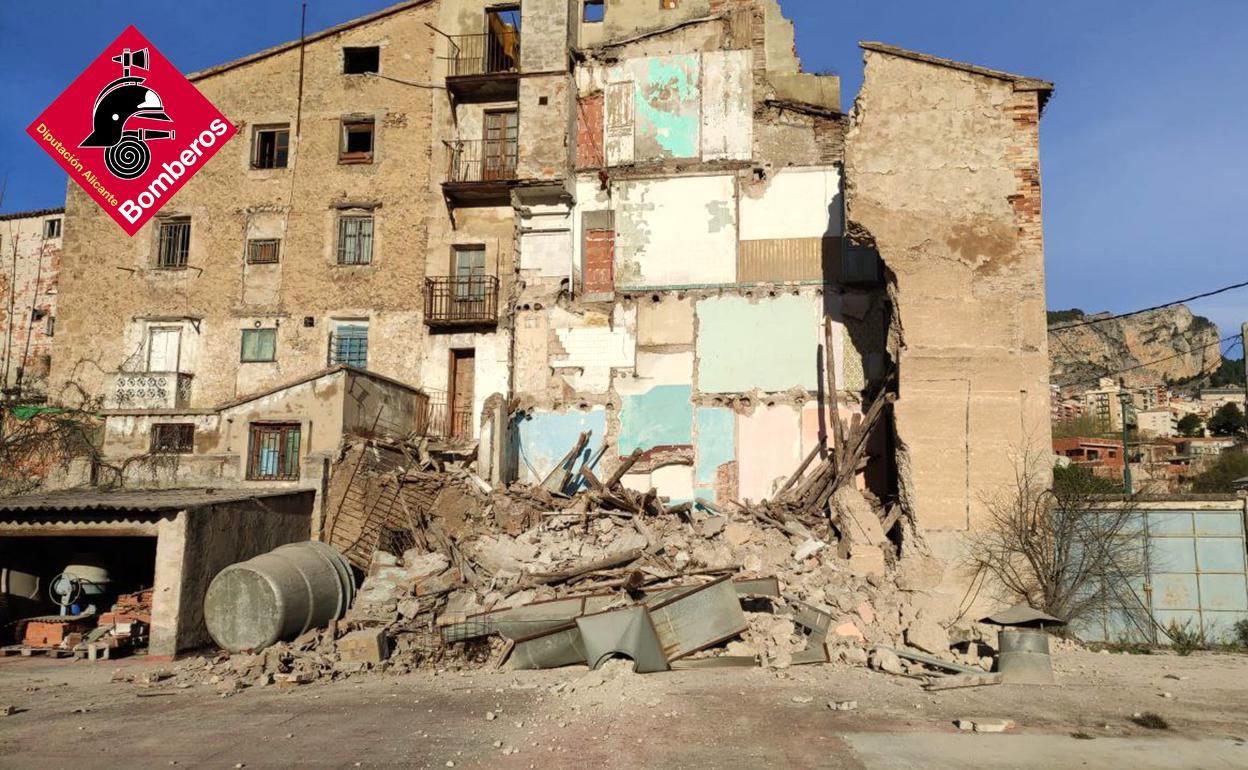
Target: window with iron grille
x=270, y=146
x=52, y=228
x=273, y=453
x=356, y=144
x=175, y=438
x=259, y=345
x=355, y=239
x=263, y=251
x=348, y=345
x=175, y=243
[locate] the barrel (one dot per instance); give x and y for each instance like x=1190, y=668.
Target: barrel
x=276, y=596
x=1024, y=656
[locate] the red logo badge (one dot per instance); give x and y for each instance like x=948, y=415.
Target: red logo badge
x=131, y=130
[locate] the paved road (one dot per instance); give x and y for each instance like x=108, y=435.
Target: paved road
x=568, y=719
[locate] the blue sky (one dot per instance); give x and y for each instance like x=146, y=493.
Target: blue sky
x=1143, y=146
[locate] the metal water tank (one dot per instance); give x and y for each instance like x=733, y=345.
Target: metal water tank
x=1024, y=657
x=278, y=595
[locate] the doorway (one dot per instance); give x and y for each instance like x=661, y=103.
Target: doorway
x=502, y=144
x=463, y=365
x=164, y=348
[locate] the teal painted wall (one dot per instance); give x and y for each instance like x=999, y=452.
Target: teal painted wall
x=716, y=444
x=661, y=416
x=545, y=437
x=770, y=344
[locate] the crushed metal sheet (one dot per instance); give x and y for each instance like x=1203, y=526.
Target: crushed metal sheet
x=626, y=632
x=551, y=649
x=934, y=662
x=697, y=618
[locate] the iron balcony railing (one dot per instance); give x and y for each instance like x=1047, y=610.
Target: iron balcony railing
x=475, y=160
x=440, y=420
x=484, y=54
x=451, y=301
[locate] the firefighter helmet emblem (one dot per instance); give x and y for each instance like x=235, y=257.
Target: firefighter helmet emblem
x=126, y=154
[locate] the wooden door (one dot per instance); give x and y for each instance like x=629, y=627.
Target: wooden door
x=164, y=348
x=460, y=392
x=501, y=146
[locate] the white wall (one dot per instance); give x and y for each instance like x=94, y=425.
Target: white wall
x=796, y=203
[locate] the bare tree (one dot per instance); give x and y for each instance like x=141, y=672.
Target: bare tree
x=1067, y=549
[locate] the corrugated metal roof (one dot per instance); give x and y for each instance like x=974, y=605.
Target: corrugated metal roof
x=134, y=499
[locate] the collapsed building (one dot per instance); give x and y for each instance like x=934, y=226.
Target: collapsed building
x=507, y=232
x=30, y=261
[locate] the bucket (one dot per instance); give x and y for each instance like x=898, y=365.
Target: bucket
x=276, y=596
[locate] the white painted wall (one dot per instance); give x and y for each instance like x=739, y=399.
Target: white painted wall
x=676, y=232
x=491, y=366
x=797, y=203
x=727, y=99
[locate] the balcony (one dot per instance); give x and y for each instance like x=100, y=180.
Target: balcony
x=468, y=301
x=440, y=421
x=148, y=391
x=484, y=67
x=481, y=172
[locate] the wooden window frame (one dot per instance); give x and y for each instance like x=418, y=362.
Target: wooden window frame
x=171, y=255
x=50, y=225
x=242, y=345
x=173, y=438
x=367, y=258
x=257, y=162
x=256, y=248
x=286, y=468
x=363, y=157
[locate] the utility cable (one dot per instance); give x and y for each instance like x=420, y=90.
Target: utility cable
x=1090, y=322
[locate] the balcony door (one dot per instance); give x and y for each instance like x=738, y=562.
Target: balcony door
x=461, y=388
x=164, y=348
x=501, y=145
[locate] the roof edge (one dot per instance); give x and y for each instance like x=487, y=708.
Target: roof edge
x=31, y=214
x=291, y=44
x=1021, y=82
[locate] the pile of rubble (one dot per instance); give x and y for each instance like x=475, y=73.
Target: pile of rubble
x=576, y=569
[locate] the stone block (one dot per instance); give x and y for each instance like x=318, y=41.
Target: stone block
x=364, y=646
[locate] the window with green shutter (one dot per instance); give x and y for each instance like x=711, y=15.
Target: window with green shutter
x=259, y=345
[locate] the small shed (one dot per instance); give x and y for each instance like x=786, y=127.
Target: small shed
x=171, y=540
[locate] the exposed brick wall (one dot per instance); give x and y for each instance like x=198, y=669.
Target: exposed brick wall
x=599, y=267
x=589, y=138
x=1023, y=155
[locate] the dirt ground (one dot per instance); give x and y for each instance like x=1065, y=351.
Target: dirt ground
x=71, y=714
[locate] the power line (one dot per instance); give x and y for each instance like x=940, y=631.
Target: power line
x=1146, y=364
x=1214, y=293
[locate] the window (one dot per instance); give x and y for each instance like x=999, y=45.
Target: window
x=355, y=239
x=270, y=146
x=51, y=325
x=502, y=145
x=262, y=251
x=259, y=346
x=175, y=438
x=348, y=344
x=356, y=145
x=274, y=452
x=668, y=5
x=595, y=11
x=175, y=243
x=52, y=228
x=469, y=273
x=360, y=61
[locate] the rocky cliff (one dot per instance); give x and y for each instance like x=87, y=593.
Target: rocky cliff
x=1187, y=342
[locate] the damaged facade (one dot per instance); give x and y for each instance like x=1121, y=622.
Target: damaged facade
x=645, y=223
x=30, y=261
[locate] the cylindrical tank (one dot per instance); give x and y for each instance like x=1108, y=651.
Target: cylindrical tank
x=1024, y=656
x=278, y=595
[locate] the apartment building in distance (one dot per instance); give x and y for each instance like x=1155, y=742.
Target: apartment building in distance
x=539, y=219
x=30, y=261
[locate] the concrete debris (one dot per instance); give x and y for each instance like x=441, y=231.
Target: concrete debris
x=507, y=576
x=982, y=725
x=843, y=705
